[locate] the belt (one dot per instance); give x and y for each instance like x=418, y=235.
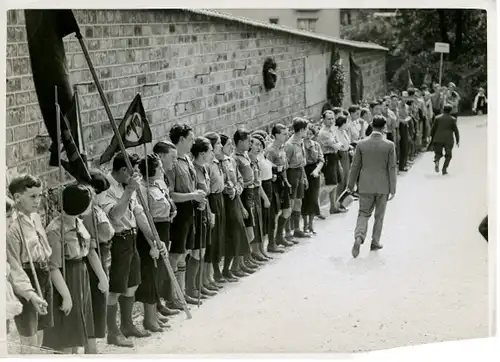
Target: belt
x=128, y=232
x=42, y=265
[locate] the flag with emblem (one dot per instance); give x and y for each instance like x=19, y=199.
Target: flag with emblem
x=134, y=130
x=45, y=31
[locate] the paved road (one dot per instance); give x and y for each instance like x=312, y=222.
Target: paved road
x=428, y=284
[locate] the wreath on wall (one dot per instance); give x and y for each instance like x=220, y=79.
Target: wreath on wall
x=335, y=82
x=269, y=73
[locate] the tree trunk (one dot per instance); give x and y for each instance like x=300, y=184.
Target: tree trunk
x=443, y=26
x=458, y=34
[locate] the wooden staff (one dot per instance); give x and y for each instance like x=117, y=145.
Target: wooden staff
x=83, y=151
x=61, y=179
x=147, y=188
x=30, y=259
x=170, y=271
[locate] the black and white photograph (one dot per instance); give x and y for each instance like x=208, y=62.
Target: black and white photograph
x=187, y=181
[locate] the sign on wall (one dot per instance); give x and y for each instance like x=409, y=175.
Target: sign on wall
x=316, y=67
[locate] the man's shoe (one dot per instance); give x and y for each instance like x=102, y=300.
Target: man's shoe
x=375, y=246
x=175, y=304
x=207, y=292
x=321, y=216
x=275, y=249
x=300, y=234
x=445, y=172
x=120, y=341
x=229, y=276
x=355, y=248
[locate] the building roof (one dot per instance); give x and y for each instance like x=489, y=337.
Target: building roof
x=285, y=29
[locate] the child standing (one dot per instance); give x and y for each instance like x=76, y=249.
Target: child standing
x=27, y=242
x=73, y=318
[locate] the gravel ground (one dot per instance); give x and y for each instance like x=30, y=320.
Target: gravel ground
x=428, y=284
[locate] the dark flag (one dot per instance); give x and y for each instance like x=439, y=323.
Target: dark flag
x=134, y=130
x=356, y=81
x=410, y=82
x=45, y=30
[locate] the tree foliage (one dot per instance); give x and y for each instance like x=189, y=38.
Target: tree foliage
x=410, y=36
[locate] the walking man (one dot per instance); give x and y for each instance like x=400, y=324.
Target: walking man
x=374, y=165
x=443, y=129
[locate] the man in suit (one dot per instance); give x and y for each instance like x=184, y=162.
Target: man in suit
x=443, y=129
x=375, y=166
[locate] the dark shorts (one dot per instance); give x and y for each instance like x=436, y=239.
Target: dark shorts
x=247, y=199
x=294, y=176
x=182, y=228
x=28, y=323
x=125, y=271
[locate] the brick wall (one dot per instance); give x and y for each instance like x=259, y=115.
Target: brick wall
x=130, y=48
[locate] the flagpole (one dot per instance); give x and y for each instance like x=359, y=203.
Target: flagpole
x=61, y=175
x=83, y=152
x=170, y=271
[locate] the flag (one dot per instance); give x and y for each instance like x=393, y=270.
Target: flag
x=134, y=130
x=45, y=30
x=356, y=81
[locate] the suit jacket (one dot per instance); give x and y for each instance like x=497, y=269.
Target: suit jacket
x=374, y=163
x=443, y=129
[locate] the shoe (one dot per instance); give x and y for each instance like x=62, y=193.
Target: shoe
x=132, y=331
x=259, y=258
x=445, y=172
x=206, y=292
x=216, y=285
x=163, y=310
x=229, y=276
x=284, y=242
x=275, y=249
x=161, y=319
x=240, y=273
x=176, y=305
x=211, y=287
x=120, y=341
x=300, y=234
x=321, y=216
x=355, y=248
x=191, y=300
x=246, y=269
x=152, y=328
x=375, y=246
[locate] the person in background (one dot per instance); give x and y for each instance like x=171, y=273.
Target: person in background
x=294, y=149
x=183, y=191
x=100, y=233
x=437, y=100
x=374, y=170
x=314, y=164
x=330, y=146
x=445, y=127
x=235, y=233
x=404, y=136
x=260, y=198
x=480, y=102
x=392, y=121
x=354, y=125
x=266, y=174
x=167, y=154
x=126, y=214
x=73, y=318
x=453, y=98
x=18, y=285
x=153, y=190
x=242, y=142
x=343, y=153
x=394, y=108
x=428, y=117
x=27, y=235
x=215, y=250
x=281, y=204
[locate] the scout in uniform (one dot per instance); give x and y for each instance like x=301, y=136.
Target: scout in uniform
x=101, y=231
x=296, y=158
x=125, y=213
x=26, y=240
x=182, y=186
x=73, y=317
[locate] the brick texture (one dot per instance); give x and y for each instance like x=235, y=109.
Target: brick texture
x=197, y=63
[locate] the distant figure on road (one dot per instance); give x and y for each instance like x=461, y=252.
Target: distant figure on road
x=374, y=165
x=443, y=129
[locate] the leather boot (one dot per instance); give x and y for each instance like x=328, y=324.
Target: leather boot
x=127, y=326
x=115, y=337
x=150, y=322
